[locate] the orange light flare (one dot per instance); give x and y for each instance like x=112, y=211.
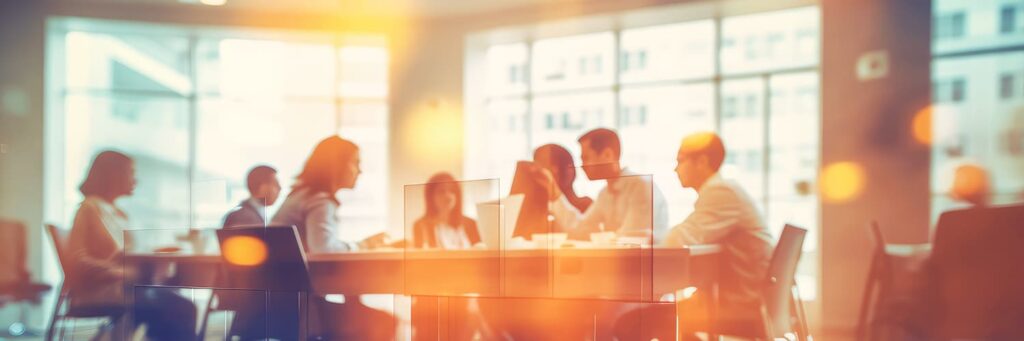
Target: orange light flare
x=842, y=182
x=970, y=183
x=244, y=251
x=921, y=126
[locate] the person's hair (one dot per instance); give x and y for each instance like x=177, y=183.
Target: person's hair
x=556, y=156
x=107, y=169
x=325, y=166
x=430, y=190
x=601, y=139
x=706, y=144
x=259, y=175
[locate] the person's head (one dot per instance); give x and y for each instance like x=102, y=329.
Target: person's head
x=263, y=185
x=112, y=175
x=443, y=197
x=700, y=157
x=971, y=184
x=558, y=161
x=333, y=165
x=600, y=151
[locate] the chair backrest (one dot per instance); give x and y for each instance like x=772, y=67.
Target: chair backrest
x=264, y=258
x=976, y=272
x=60, y=242
x=13, y=268
x=778, y=291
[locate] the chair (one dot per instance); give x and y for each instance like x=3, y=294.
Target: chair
x=282, y=257
x=16, y=285
x=782, y=311
x=779, y=314
x=973, y=279
x=881, y=293
x=62, y=310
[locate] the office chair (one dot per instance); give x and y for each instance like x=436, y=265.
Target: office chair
x=63, y=310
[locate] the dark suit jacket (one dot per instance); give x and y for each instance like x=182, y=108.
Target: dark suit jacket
x=245, y=214
x=974, y=280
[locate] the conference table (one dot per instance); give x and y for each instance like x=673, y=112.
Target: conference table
x=614, y=273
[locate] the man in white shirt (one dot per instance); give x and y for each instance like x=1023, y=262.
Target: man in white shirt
x=723, y=214
x=630, y=204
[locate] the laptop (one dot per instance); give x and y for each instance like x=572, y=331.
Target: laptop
x=497, y=220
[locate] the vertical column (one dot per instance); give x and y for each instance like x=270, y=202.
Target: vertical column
x=866, y=120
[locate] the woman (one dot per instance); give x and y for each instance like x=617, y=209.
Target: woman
x=558, y=161
x=95, y=244
x=443, y=225
x=312, y=208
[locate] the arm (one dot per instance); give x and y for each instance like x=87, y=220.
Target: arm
x=571, y=220
x=322, y=228
x=715, y=215
x=85, y=231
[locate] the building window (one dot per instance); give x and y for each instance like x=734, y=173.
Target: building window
x=1006, y=86
x=1008, y=19
x=950, y=26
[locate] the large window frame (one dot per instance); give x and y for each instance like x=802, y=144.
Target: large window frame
x=61, y=199
x=477, y=101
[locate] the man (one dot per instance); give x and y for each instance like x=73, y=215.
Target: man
x=263, y=192
x=630, y=204
x=723, y=214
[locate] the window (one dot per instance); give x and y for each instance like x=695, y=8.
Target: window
x=976, y=114
x=1008, y=19
x=950, y=26
x=949, y=90
x=198, y=107
x=759, y=90
x=1006, y=86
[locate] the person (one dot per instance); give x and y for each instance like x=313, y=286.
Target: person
x=312, y=208
x=723, y=214
x=971, y=185
x=95, y=244
x=630, y=204
x=263, y=192
x=557, y=160
x=443, y=225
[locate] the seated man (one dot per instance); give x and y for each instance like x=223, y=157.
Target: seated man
x=723, y=214
x=629, y=204
x=263, y=192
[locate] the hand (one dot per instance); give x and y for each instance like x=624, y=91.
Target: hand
x=375, y=241
x=545, y=179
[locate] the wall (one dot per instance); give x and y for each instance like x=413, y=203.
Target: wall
x=869, y=123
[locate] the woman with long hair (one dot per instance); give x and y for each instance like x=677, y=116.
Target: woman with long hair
x=443, y=225
x=312, y=208
x=312, y=205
